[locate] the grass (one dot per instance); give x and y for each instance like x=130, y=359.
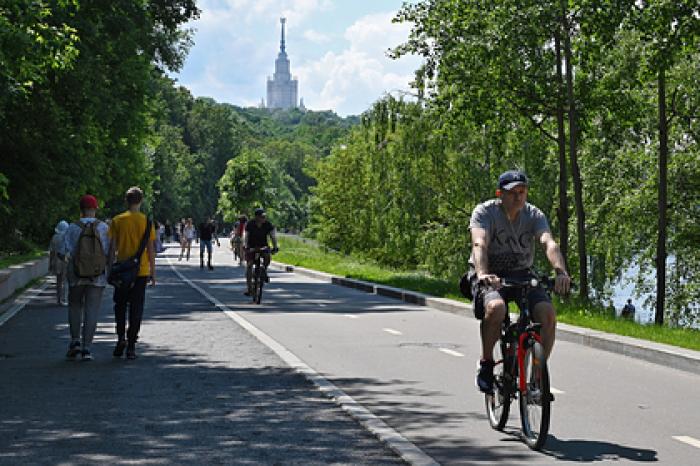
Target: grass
x=295, y=252
x=13, y=259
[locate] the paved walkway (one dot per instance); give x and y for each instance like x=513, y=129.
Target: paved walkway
x=203, y=391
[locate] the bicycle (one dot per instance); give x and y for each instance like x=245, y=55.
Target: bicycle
x=236, y=247
x=520, y=370
x=259, y=273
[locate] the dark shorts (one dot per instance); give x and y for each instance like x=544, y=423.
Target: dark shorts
x=483, y=296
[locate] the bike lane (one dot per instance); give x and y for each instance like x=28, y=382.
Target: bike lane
x=203, y=391
x=414, y=368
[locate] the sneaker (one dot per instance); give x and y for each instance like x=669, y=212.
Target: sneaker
x=119, y=349
x=73, y=350
x=131, y=351
x=484, y=376
x=247, y=293
x=211, y=267
x=87, y=356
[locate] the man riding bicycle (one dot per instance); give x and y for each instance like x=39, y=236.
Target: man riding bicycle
x=256, y=234
x=503, y=232
x=237, y=237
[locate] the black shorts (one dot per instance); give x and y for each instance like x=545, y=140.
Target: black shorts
x=484, y=295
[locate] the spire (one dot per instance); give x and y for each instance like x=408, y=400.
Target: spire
x=282, y=21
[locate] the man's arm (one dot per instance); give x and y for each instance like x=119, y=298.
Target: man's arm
x=152, y=260
x=480, y=245
x=551, y=249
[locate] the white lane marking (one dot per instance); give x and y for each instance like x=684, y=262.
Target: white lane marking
x=689, y=440
x=556, y=391
x=394, y=440
x=22, y=300
x=392, y=331
x=451, y=352
x=350, y=316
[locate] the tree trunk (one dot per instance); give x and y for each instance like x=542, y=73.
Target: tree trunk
x=563, y=210
x=663, y=202
x=575, y=172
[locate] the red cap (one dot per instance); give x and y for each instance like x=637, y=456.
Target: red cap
x=88, y=201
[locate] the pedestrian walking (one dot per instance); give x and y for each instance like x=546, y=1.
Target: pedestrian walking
x=207, y=234
x=57, y=262
x=187, y=236
x=168, y=231
x=127, y=231
x=86, y=243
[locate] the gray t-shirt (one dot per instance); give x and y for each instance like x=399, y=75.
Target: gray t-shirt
x=511, y=245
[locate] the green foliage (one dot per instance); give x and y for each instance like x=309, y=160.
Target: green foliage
x=79, y=75
x=245, y=185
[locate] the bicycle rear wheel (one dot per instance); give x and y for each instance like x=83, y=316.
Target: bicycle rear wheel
x=535, y=402
x=498, y=402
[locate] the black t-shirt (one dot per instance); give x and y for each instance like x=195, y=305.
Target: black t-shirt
x=257, y=236
x=206, y=231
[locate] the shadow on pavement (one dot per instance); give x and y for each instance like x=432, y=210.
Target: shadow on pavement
x=595, y=450
x=203, y=391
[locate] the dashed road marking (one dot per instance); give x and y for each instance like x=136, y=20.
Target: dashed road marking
x=392, y=331
x=689, y=440
x=350, y=316
x=451, y=352
x=556, y=391
x=409, y=452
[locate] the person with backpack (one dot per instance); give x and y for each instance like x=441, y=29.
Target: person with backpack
x=87, y=246
x=128, y=232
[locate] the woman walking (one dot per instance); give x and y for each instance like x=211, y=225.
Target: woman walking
x=186, y=238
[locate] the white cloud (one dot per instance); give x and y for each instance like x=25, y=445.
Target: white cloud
x=350, y=81
x=345, y=70
x=316, y=37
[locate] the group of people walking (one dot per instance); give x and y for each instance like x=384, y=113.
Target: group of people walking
x=88, y=254
x=84, y=255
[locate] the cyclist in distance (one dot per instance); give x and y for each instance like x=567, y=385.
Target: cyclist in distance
x=503, y=232
x=256, y=233
x=237, y=236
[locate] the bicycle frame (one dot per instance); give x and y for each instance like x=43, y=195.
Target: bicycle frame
x=522, y=352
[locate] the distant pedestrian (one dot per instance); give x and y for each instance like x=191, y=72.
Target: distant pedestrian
x=168, y=231
x=186, y=238
x=628, y=311
x=126, y=232
x=87, y=246
x=207, y=234
x=158, y=243
x=57, y=262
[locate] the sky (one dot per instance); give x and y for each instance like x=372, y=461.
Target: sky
x=337, y=50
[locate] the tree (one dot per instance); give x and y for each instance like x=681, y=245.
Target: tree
x=244, y=185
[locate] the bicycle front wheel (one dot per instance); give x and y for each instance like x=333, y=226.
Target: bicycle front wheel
x=535, y=402
x=257, y=297
x=498, y=402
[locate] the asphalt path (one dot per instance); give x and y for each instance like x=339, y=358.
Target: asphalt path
x=203, y=391
x=414, y=368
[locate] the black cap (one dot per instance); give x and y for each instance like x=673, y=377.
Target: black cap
x=512, y=178
x=259, y=211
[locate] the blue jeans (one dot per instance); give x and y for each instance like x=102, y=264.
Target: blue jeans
x=202, y=244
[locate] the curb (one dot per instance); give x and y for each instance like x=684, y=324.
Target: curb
x=656, y=353
x=17, y=276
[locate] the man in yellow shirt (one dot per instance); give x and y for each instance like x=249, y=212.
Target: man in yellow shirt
x=126, y=232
